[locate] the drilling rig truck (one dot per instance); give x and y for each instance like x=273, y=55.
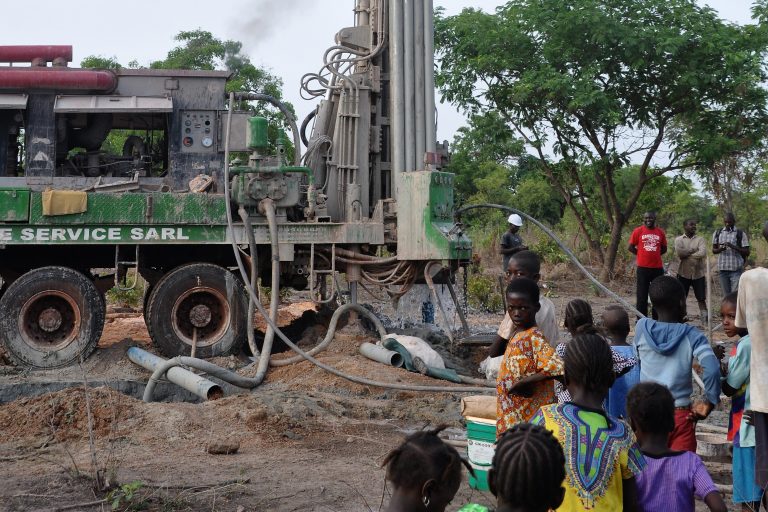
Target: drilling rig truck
x=107, y=171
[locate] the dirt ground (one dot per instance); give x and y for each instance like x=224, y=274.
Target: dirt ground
x=305, y=440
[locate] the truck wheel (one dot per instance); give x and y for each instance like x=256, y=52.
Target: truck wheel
x=145, y=301
x=198, y=301
x=50, y=317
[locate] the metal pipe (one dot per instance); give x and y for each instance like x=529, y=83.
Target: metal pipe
x=362, y=13
x=28, y=53
x=431, y=284
x=58, y=79
x=381, y=355
x=397, y=94
x=193, y=383
x=429, y=76
x=419, y=84
x=409, y=87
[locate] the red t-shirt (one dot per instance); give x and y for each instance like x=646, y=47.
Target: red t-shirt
x=649, y=243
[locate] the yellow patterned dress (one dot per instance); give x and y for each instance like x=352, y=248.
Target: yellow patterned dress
x=527, y=353
x=600, y=452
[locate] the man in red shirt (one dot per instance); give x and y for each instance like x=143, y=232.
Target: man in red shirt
x=648, y=242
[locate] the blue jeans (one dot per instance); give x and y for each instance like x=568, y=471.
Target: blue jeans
x=729, y=280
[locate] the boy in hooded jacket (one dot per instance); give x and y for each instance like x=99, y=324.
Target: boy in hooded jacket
x=666, y=348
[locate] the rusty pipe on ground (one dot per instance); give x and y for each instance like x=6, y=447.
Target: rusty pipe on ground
x=193, y=383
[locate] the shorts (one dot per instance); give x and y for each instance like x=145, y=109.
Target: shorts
x=683, y=437
x=745, y=490
x=761, y=449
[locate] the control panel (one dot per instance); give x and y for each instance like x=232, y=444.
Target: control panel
x=198, y=131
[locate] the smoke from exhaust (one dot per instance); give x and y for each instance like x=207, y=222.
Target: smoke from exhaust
x=264, y=17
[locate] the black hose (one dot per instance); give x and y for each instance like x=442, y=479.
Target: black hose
x=560, y=244
x=304, y=124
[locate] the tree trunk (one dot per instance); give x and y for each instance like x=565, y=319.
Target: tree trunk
x=606, y=272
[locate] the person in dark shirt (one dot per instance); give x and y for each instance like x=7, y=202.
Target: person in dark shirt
x=511, y=242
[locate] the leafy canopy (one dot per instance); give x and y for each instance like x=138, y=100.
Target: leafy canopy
x=597, y=86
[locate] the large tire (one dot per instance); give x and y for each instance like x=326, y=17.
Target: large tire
x=202, y=297
x=145, y=301
x=51, y=317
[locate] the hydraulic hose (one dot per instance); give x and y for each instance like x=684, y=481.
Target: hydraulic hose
x=332, y=331
x=560, y=244
x=254, y=270
x=267, y=208
x=304, y=124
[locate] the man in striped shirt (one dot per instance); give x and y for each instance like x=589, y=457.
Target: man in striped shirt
x=732, y=247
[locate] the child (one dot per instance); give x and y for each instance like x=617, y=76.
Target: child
x=526, y=264
x=736, y=385
x=529, y=362
x=671, y=479
x=666, y=349
x=601, y=457
x=527, y=471
x=425, y=473
x=579, y=320
x=615, y=330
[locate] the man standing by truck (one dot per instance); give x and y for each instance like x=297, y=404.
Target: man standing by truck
x=732, y=247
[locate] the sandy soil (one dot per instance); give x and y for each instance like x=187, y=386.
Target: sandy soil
x=306, y=440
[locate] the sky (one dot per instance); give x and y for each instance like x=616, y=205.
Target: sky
x=286, y=36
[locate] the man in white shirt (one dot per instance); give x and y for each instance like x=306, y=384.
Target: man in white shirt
x=752, y=313
x=526, y=264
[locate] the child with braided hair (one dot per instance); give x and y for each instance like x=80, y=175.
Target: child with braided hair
x=601, y=456
x=671, y=478
x=425, y=473
x=579, y=320
x=527, y=471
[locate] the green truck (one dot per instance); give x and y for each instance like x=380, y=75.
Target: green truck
x=107, y=171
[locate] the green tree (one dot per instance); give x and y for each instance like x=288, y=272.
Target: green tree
x=100, y=62
x=490, y=167
x=592, y=86
x=199, y=49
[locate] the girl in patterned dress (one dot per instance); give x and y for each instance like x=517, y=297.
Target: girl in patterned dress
x=601, y=456
x=525, y=378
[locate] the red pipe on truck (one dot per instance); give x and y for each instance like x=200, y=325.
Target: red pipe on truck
x=57, y=79
x=29, y=53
